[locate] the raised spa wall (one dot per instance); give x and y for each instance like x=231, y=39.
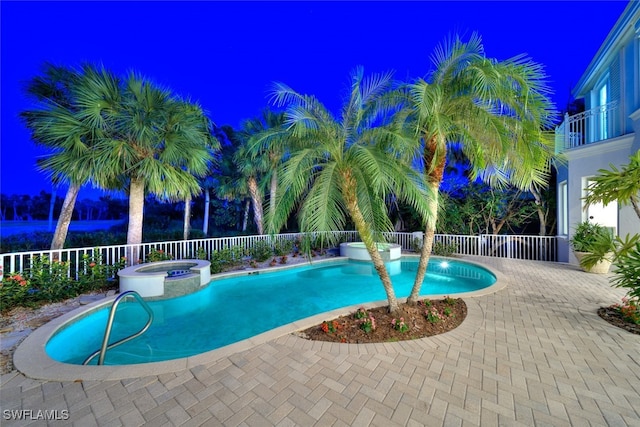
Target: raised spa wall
x=357, y=251
x=153, y=281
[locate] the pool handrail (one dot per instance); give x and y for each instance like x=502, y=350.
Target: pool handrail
x=107, y=332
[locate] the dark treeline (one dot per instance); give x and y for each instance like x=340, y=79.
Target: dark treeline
x=226, y=215
x=27, y=207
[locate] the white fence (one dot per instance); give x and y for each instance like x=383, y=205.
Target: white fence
x=504, y=246
x=537, y=248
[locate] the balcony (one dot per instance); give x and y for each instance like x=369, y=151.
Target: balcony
x=591, y=126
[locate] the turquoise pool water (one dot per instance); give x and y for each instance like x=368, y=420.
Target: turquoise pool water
x=233, y=309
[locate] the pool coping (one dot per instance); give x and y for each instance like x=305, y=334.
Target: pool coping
x=31, y=359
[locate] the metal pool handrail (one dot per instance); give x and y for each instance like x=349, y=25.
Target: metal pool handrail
x=107, y=333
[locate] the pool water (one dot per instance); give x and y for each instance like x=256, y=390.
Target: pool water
x=233, y=309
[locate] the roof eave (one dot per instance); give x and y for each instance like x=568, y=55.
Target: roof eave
x=629, y=22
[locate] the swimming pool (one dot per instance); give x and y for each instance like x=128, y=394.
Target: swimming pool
x=236, y=308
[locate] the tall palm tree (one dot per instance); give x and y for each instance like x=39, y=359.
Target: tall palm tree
x=251, y=180
x=228, y=180
x=268, y=137
x=61, y=123
x=207, y=183
x=159, y=144
x=496, y=110
x=343, y=168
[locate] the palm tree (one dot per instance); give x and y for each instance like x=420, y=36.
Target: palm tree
x=268, y=137
x=228, y=180
x=159, y=144
x=61, y=123
x=207, y=184
x=253, y=166
x=621, y=185
x=497, y=112
x=343, y=168
x=251, y=181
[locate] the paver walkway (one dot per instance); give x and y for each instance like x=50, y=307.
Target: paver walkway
x=532, y=354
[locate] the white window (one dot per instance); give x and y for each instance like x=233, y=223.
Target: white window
x=603, y=115
x=606, y=215
x=563, y=210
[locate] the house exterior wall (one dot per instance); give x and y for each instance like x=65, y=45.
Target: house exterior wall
x=618, y=63
x=583, y=163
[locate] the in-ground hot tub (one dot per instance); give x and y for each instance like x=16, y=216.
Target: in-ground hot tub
x=165, y=279
x=358, y=251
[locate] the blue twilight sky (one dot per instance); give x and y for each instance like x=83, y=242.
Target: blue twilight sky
x=225, y=55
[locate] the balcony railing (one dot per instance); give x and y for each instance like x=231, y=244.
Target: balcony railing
x=588, y=127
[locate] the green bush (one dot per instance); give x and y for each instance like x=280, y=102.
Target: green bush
x=158, y=255
x=590, y=236
x=261, y=251
x=444, y=248
x=416, y=244
x=201, y=253
x=627, y=272
x=309, y=244
x=14, y=291
x=94, y=274
x=226, y=258
x=283, y=247
x=50, y=280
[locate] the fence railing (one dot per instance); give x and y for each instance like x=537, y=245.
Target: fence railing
x=504, y=246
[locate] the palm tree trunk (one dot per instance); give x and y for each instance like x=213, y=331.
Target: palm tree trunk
x=427, y=247
x=369, y=242
x=542, y=218
x=272, y=194
x=435, y=159
x=245, y=219
x=52, y=205
x=256, y=197
x=205, y=220
x=187, y=218
x=64, y=220
x=136, y=217
x=635, y=202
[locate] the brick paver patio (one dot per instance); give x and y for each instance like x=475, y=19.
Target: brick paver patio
x=532, y=354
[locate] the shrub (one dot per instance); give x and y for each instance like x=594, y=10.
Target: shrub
x=588, y=236
x=629, y=310
x=444, y=248
x=261, y=251
x=283, y=247
x=14, y=291
x=627, y=272
x=399, y=325
x=158, y=255
x=416, y=244
x=201, y=253
x=226, y=258
x=94, y=274
x=50, y=280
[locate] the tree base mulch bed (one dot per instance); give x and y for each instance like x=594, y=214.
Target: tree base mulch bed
x=349, y=327
x=613, y=316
